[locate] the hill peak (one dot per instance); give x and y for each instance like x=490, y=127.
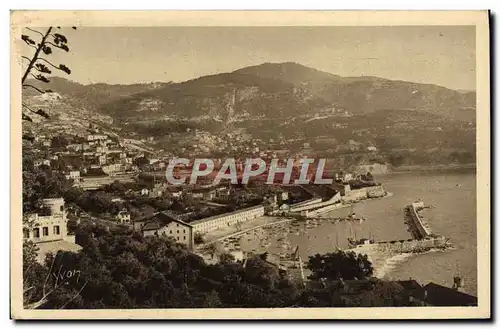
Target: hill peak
x=291, y=72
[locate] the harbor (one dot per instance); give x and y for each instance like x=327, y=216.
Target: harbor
x=288, y=242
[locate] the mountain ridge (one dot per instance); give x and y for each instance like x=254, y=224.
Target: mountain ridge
x=269, y=89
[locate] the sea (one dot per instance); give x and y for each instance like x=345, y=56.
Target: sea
x=451, y=196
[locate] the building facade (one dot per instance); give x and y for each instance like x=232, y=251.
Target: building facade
x=51, y=226
x=163, y=225
x=123, y=217
x=217, y=222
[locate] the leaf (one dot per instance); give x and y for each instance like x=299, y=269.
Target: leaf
x=27, y=118
x=64, y=68
x=43, y=68
x=27, y=39
x=42, y=78
x=64, y=47
x=43, y=114
x=60, y=38
x=47, y=50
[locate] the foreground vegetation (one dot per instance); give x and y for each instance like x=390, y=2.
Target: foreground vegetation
x=119, y=268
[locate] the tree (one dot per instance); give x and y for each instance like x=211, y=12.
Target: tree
x=59, y=142
x=141, y=161
x=212, y=300
x=198, y=238
x=226, y=258
x=262, y=273
x=340, y=264
x=48, y=41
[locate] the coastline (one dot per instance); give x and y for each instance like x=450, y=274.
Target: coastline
x=420, y=168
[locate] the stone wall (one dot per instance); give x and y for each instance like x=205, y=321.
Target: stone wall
x=364, y=193
x=406, y=246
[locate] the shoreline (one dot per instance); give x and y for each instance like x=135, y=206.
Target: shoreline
x=431, y=168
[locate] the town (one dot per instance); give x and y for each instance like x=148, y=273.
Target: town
x=265, y=186
x=100, y=181
x=114, y=182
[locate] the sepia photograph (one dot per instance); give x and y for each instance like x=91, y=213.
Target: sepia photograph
x=209, y=165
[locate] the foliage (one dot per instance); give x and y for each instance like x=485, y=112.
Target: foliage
x=198, y=238
x=48, y=40
x=340, y=264
x=226, y=258
x=122, y=269
x=126, y=270
x=41, y=183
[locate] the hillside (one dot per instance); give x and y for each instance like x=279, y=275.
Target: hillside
x=364, y=94
x=273, y=90
x=286, y=103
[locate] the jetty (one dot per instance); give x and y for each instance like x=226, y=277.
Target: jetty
x=417, y=226
x=422, y=237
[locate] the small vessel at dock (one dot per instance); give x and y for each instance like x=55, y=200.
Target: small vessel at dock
x=354, y=242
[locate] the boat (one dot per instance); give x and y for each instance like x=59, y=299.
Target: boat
x=354, y=242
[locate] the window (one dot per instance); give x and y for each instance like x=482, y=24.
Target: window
x=177, y=238
x=56, y=230
x=184, y=231
x=36, y=232
x=184, y=237
x=177, y=225
x=26, y=234
x=170, y=231
x=177, y=231
x=61, y=208
x=45, y=231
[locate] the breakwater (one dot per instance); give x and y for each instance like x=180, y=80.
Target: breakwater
x=411, y=245
x=422, y=237
x=417, y=226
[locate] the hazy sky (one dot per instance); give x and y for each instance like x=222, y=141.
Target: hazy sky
x=440, y=55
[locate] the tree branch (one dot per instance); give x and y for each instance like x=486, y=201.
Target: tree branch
x=29, y=44
x=46, y=61
x=35, y=31
x=28, y=108
x=26, y=58
x=40, y=91
x=50, y=43
x=35, y=56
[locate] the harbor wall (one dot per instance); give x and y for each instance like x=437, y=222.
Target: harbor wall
x=413, y=245
x=298, y=206
x=416, y=225
x=364, y=193
x=322, y=210
x=335, y=199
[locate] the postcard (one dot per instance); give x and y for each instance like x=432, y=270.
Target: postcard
x=250, y=165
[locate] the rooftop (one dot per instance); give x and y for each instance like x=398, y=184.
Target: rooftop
x=438, y=295
x=54, y=246
x=159, y=220
x=225, y=214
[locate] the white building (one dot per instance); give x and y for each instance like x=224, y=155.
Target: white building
x=74, y=174
x=49, y=229
x=217, y=222
x=38, y=163
x=162, y=224
x=123, y=217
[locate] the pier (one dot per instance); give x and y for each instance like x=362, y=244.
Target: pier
x=417, y=226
